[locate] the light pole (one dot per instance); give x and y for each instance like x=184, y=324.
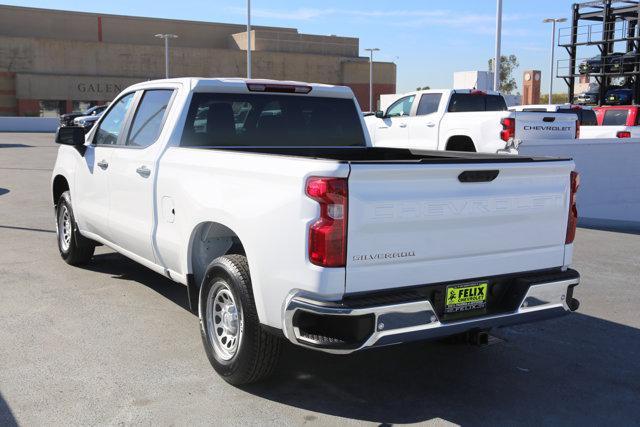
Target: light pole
x=553, y=49
x=496, y=61
x=166, y=38
x=248, y=39
x=371, y=50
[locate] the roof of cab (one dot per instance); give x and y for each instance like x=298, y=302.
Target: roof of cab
x=239, y=85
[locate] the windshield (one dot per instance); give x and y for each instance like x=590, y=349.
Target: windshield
x=270, y=120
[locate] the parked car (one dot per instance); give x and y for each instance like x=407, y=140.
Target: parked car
x=619, y=96
x=461, y=120
x=67, y=119
x=618, y=115
x=291, y=225
x=86, y=122
x=586, y=115
x=595, y=65
x=587, y=98
x=625, y=63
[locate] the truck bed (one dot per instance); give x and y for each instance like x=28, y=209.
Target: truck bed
x=387, y=155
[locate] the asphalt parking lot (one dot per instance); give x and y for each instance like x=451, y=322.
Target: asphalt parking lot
x=114, y=343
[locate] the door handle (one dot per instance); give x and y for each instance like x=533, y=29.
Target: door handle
x=403, y=125
x=144, y=171
x=431, y=124
x=103, y=164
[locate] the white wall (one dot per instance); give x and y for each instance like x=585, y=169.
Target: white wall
x=28, y=124
x=609, y=194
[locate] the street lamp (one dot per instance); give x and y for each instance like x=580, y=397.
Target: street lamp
x=496, y=61
x=248, y=39
x=553, y=48
x=371, y=50
x=166, y=38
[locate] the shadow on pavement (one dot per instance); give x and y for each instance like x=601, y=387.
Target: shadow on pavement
x=121, y=267
x=574, y=370
x=6, y=416
x=14, y=146
x=3, y=191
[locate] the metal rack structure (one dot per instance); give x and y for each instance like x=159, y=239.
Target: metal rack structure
x=606, y=22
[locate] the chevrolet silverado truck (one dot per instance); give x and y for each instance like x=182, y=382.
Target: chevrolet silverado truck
x=268, y=201
x=462, y=120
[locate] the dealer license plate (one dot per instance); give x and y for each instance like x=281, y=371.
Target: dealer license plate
x=470, y=296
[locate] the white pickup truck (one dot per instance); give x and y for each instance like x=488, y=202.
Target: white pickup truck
x=267, y=200
x=462, y=120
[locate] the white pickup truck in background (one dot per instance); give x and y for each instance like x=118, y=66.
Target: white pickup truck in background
x=267, y=200
x=588, y=122
x=462, y=120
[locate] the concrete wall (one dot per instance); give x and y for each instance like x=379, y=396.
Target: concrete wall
x=28, y=124
x=609, y=194
x=49, y=55
x=81, y=26
x=287, y=41
x=49, y=65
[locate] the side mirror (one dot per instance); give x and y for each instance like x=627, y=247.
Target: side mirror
x=380, y=114
x=70, y=135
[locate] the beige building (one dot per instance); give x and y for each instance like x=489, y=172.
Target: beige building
x=53, y=61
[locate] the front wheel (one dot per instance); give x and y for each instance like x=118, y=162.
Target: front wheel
x=238, y=348
x=74, y=248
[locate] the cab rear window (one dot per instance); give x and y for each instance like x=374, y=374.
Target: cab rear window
x=271, y=120
x=615, y=118
x=471, y=102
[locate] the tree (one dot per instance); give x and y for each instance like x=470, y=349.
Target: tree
x=557, y=98
x=507, y=65
x=423, y=88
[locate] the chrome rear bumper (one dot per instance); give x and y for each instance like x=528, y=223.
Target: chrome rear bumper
x=418, y=320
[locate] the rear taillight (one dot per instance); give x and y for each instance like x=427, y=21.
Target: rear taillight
x=623, y=134
x=577, y=129
x=328, y=235
x=573, y=210
x=508, y=129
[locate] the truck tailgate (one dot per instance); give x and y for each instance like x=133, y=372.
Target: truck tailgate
x=544, y=125
x=418, y=224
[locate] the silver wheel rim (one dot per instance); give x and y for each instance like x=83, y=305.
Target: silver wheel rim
x=224, y=321
x=64, y=228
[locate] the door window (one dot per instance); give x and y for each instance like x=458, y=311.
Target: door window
x=112, y=124
x=149, y=118
x=429, y=103
x=402, y=107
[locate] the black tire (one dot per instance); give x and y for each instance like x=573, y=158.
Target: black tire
x=75, y=249
x=256, y=352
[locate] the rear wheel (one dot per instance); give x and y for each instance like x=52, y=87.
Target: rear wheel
x=238, y=348
x=74, y=248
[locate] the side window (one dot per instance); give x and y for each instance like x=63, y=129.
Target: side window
x=111, y=125
x=401, y=107
x=428, y=103
x=147, y=123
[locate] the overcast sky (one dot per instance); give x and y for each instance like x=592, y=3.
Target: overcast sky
x=428, y=40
